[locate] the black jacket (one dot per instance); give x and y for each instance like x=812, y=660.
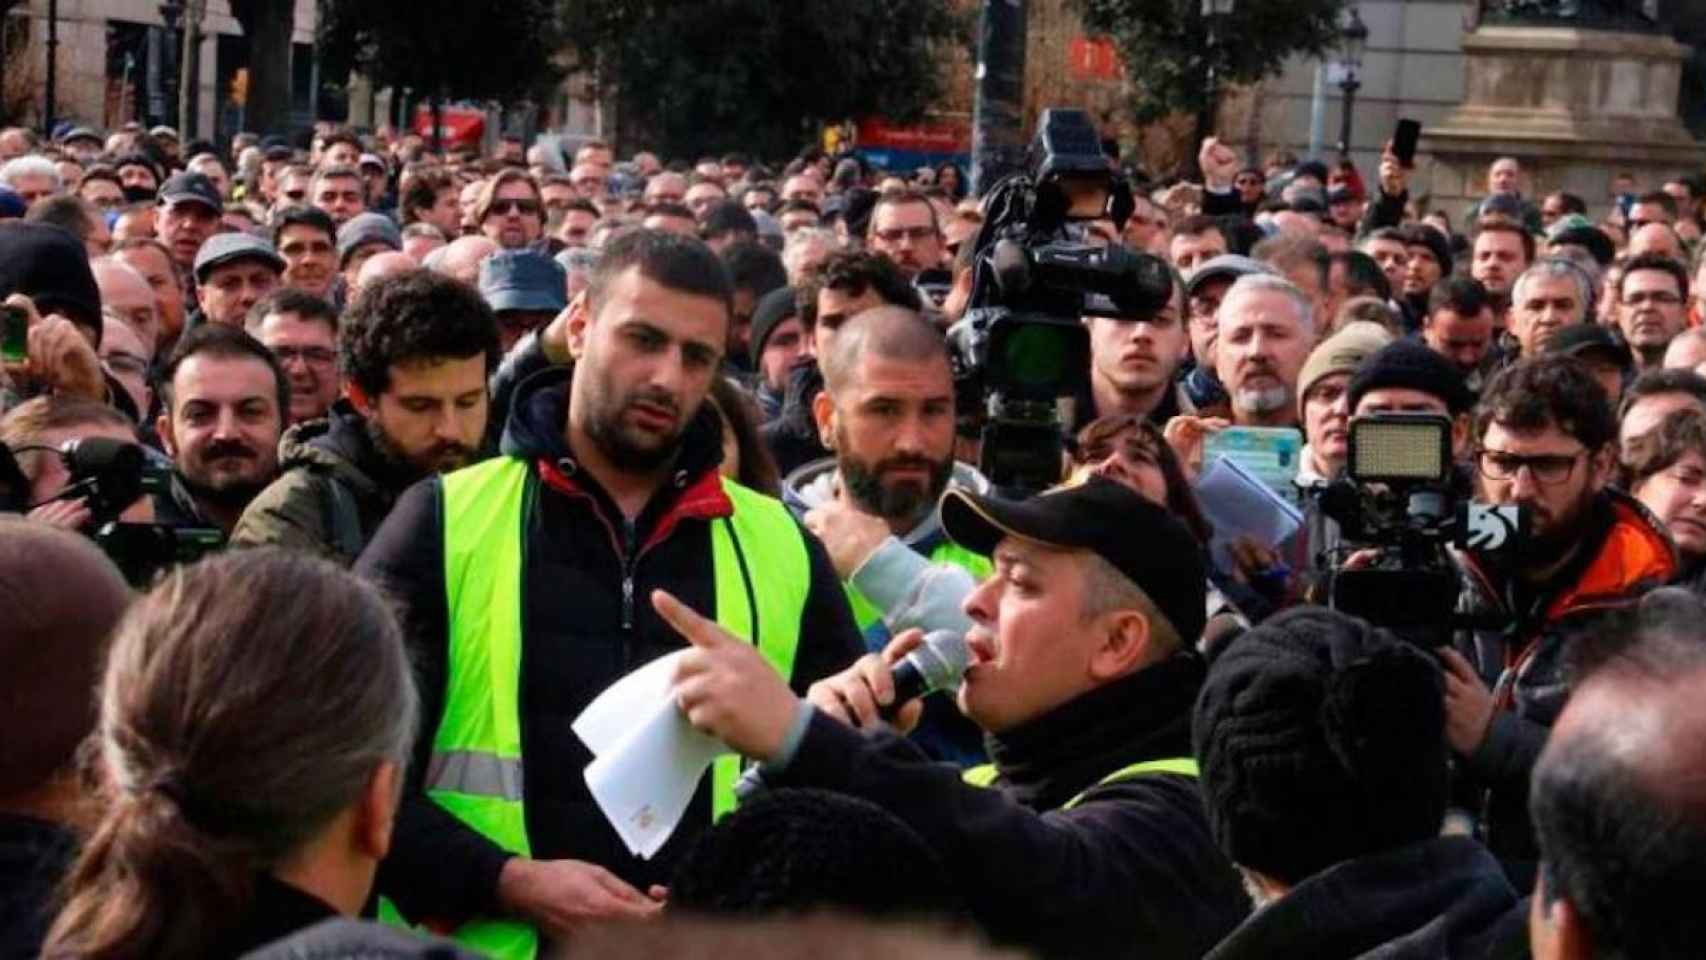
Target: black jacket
x=34, y=855
x=793, y=436
x=1130, y=871
x=1444, y=897
x=575, y=644
x=277, y=911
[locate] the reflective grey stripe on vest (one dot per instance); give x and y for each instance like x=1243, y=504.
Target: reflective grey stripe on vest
x=471, y=772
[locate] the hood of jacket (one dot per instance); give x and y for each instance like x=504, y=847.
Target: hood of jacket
x=534, y=430
x=340, y=445
x=814, y=485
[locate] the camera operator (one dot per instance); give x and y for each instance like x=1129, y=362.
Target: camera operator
x=1546, y=442
x=224, y=399
x=51, y=422
x=887, y=410
x=416, y=350
x=1090, y=838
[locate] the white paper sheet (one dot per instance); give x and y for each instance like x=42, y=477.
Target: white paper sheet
x=649, y=759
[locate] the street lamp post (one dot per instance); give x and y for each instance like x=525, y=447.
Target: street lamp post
x=1352, y=40
x=1214, y=12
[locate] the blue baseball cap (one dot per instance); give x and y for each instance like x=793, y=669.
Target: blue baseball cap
x=523, y=280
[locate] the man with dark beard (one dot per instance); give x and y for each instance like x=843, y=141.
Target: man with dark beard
x=1546, y=442
x=887, y=412
x=524, y=583
x=225, y=398
x=415, y=352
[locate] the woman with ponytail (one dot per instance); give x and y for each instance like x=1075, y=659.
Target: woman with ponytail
x=255, y=714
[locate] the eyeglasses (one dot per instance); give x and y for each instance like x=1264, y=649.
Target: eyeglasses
x=1658, y=298
x=519, y=205
x=1547, y=469
x=897, y=234
x=312, y=356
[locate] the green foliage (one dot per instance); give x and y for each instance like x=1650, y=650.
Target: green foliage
x=446, y=48
x=1164, y=45
x=692, y=78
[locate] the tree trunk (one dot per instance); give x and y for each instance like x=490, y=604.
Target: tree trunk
x=269, y=25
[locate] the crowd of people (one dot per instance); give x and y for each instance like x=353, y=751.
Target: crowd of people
x=347, y=474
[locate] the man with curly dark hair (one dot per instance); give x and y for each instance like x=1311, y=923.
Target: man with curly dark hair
x=415, y=351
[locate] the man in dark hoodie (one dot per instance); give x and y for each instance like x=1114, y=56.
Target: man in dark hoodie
x=1325, y=772
x=416, y=350
x=522, y=584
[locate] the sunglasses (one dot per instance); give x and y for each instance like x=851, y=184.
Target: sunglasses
x=522, y=206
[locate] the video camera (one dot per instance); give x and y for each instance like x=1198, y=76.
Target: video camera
x=109, y=475
x=1400, y=495
x=1021, y=345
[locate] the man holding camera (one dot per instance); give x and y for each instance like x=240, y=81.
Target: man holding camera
x=1089, y=837
x=1546, y=441
x=35, y=430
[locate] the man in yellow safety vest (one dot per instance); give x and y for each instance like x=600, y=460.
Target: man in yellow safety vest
x=522, y=583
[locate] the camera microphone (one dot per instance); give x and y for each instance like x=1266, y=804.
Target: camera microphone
x=937, y=664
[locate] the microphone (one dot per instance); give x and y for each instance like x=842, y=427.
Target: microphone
x=937, y=664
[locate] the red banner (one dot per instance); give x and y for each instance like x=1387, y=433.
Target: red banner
x=463, y=126
x=875, y=132
x=1093, y=58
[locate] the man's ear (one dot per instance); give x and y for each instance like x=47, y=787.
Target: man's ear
x=163, y=429
x=823, y=412
x=1123, y=642
x=1604, y=464
x=578, y=327
x=1460, y=437
x=377, y=813
x=358, y=398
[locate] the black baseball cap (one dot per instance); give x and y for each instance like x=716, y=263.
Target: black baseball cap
x=1579, y=339
x=191, y=188
x=1139, y=538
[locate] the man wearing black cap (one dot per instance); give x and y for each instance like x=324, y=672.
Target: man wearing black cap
x=1091, y=838
x=233, y=272
x=1407, y=377
x=190, y=208
x=1326, y=777
x=1606, y=357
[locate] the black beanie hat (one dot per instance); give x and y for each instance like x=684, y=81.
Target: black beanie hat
x=1422, y=235
x=1320, y=739
x=772, y=309
x=1407, y=363
x=50, y=265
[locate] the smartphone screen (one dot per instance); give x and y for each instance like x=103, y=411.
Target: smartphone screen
x=1404, y=140
x=14, y=334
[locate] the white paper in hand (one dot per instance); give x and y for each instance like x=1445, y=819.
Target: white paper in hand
x=649, y=759
x=1237, y=504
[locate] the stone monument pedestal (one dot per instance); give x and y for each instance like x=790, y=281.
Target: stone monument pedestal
x=1576, y=106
